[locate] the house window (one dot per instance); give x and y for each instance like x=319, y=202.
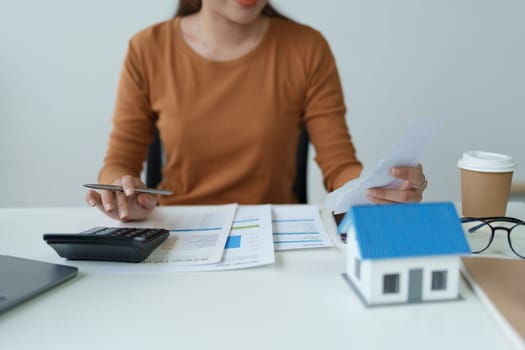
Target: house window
x=391, y=283
x=439, y=280
x=357, y=265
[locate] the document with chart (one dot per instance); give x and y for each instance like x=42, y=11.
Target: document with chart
x=198, y=234
x=250, y=241
x=298, y=227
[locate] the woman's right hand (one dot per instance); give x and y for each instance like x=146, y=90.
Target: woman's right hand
x=125, y=206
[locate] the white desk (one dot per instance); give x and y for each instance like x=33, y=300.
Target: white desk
x=301, y=302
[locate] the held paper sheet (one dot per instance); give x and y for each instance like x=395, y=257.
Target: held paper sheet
x=408, y=152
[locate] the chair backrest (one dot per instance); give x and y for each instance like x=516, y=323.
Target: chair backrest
x=154, y=165
x=154, y=162
x=300, y=184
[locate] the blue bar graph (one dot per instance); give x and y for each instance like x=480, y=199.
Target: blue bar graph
x=233, y=242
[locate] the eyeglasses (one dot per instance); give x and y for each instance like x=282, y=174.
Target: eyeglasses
x=481, y=233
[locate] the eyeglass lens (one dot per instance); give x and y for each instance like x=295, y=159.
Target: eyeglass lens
x=498, y=234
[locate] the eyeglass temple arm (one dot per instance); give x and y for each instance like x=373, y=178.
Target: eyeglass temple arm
x=487, y=221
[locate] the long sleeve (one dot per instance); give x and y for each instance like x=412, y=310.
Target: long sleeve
x=132, y=122
x=324, y=113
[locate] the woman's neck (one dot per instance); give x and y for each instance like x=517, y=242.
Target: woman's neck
x=217, y=38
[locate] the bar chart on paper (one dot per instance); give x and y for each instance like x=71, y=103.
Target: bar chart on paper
x=233, y=242
x=249, y=243
x=240, y=226
x=297, y=227
x=198, y=234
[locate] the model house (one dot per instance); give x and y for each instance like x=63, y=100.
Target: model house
x=404, y=253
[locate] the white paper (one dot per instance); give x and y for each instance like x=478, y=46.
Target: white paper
x=297, y=227
x=250, y=241
x=197, y=234
x=408, y=152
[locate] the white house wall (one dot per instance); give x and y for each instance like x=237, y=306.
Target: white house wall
x=370, y=282
x=402, y=266
x=364, y=282
x=388, y=266
x=451, y=264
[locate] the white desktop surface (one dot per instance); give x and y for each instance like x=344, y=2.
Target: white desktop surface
x=300, y=302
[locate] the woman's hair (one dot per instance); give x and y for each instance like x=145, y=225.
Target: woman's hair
x=188, y=7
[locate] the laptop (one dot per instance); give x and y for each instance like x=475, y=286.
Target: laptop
x=21, y=279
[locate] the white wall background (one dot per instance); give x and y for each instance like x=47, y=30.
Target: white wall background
x=462, y=60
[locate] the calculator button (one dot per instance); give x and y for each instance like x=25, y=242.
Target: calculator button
x=153, y=233
x=94, y=231
x=120, y=232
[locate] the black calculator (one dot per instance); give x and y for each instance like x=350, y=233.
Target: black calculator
x=129, y=244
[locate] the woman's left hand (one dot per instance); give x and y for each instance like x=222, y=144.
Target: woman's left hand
x=414, y=183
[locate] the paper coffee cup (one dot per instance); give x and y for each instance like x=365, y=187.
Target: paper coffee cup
x=485, y=183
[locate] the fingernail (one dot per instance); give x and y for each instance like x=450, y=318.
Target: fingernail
x=92, y=202
x=123, y=214
x=395, y=172
x=128, y=191
x=108, y=206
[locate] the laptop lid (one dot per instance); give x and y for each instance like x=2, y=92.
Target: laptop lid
x=22, y=279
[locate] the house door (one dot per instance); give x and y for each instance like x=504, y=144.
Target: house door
x=415, y=285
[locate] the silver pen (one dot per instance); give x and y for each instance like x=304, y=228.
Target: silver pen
x=119, y=188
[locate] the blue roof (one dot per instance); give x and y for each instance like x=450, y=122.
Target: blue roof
x=408, y=230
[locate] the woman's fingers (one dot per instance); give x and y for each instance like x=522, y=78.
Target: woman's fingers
x=382, y=195
x=411, y=189
x=414, y=175
x=108, y=201
x=147, y=201
x=124, y=206
x=129, y=183
x=93, y=198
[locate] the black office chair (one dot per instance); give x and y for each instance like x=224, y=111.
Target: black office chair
x=154, y=162
x=154, y=165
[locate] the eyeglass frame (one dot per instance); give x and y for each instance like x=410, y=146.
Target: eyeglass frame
x=487, y=221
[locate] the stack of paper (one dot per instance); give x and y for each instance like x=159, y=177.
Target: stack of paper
x=220, y=237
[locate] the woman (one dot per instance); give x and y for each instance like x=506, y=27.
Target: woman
x=230, y=84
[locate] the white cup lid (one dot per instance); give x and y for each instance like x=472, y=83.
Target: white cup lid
x=486, y=162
